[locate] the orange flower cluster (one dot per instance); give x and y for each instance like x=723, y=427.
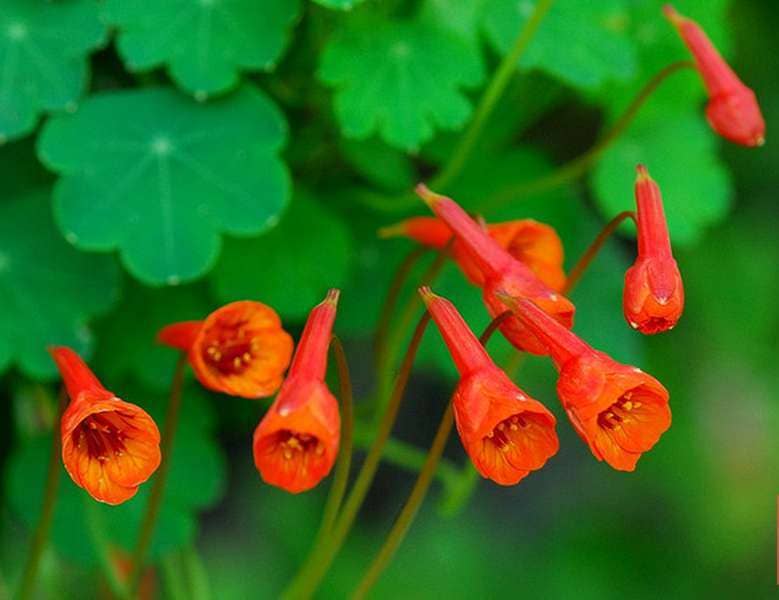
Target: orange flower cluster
x=110, y=447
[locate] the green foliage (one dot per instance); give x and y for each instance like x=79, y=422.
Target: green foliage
x=196, y=481
x=401, y=80
x=48, y=290
x=339, y=4
x=162, y=187
x=301, y=273
x=43, y=59
x=584, y=44
x=673, y=146
x=204, y=44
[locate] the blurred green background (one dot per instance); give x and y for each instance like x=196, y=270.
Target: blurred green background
x=160, y=159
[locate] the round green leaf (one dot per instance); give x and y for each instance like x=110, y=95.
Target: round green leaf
x=292, y=267
x=585, y=44
x=43, y=66
x=204, y=43
x=681, y=154
x=163, y=183
x=339, y=4
x=48, y=290
x=400, y=79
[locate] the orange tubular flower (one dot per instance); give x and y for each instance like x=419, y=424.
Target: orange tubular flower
x=502, y=272
x=619, y=410
x=733, y=111
x=653, y=299
x=506, y=433
x=109, y=446
x=296, y=443
x=239, y=349
x=533, y=243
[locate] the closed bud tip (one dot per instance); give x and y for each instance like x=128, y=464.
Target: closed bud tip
x=428, y=196
x=672, y=14
x=642, y=174
x=332, y=296
x=427, y=295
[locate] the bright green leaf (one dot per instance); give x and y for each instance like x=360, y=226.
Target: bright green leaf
x=379, y=163
x=681, y=154
x=585, y=44
x=206, y=43
x=127, y=345
x=401, y=79
x=43, y=66
x=48, y=290
x=196, y=480
x=339, y=4
x=163, y=185
x=292, y=267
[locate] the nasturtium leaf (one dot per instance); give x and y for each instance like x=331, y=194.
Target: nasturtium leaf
x=204, y=43
x=379, y=163
x=584, y=44
x=162, y=185
x=680, y=152
x=290, y=268
x=127, y=345
x=48, y=290
x=402, y=80
x=43, y=58
x=339, y=4
x=196, y=480
x=459, y=16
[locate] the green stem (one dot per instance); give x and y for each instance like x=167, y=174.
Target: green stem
x=410, y=509
x=490, y=97
x=341, y=476
x=51, y=488
x=393, y=295
x=95, y=528
x=578, y=166
x=158, y=487
x=408, y=457
x=592, y=251
x=419, y=491
x=321, y=557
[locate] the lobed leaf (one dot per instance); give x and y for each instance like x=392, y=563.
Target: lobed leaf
x=161, y=186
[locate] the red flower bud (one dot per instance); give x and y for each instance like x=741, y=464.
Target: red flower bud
x=506, y=433
x=733, y=111
x=239, y=349
x=501, y=272
x=296, y=443
x=618, y=410
x=109, y=447
x=535, y=244
x=653, y=298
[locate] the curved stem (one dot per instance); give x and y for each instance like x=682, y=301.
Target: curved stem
x=321, y=557
x=341, y=476
x=405, y=319
x=51, y=488
x=592, y=251
x=393, y=294
x=419, y=491
x=490, y=97
x=158, y=487
x=576, y=167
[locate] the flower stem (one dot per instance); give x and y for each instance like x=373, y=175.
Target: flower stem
x=393, y=295
x=322, y=555
x=158, y=487
x=419, y=491
x=341, y=476
x=43, y=527
x=490, y=97
x=592, y=251
x=579, y=165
